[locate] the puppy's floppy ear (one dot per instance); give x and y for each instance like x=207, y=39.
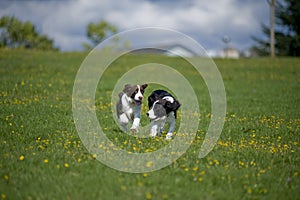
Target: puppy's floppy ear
x=151, y=101
x=175, y=105
x=127, y=88
x=144, y=86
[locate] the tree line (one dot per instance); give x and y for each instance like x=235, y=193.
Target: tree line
x=284, y=40
x=17, y=34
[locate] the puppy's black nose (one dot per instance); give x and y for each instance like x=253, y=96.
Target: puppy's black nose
x=140, y=97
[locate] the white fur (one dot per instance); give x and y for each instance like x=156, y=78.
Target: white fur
x=157, y=125
x=169, y=98
x=131, y=111
x=151, y=113
x=138, y=96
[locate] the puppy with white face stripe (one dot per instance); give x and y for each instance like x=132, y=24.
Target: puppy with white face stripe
x=129, y=106
x=162, y=108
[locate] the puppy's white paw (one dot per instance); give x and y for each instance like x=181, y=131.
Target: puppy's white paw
x=153, y=134
x=134, y=129
x=169, y=136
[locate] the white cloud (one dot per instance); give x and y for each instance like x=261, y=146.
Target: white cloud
x=206, y=21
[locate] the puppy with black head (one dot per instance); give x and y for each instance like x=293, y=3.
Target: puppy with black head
x=162, y=108
x=129, y=106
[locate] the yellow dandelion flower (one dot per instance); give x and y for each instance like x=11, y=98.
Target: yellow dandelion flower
x=6, y=177
x=46, y=161
x=148, y=195
x=200, y=179
x=145, y=174
x=135, y=148
x=3, y=196
x=94, y=156
x=263, y=191
x=216, y=162
x=21, y=157
x=249, y=190
x=252, y=163
x=165, y=196
x=123, y=187
x=241, y=163
x=139, y=184
x=262, y=171
x=66, y=165
x=278, y=138
x=195, y=168
x=148, y=164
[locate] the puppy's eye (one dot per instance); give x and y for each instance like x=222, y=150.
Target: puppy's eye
x=134, y=93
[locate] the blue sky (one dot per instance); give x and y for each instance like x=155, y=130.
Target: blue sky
x=206, y=21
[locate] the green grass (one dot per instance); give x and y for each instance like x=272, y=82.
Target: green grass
x=42, y=156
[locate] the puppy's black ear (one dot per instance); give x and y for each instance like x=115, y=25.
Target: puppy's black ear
x=173, y=106
x=176, y=105
x=144, y=86
x=150, y=101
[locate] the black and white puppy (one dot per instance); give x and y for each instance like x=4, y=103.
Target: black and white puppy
x=162, y=108
x=129, y=106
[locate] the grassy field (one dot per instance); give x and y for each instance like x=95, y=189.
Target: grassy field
x=42, y=156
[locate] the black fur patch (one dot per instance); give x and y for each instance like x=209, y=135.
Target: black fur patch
x=167, y=105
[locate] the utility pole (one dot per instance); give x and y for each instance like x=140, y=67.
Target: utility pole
x=272, y=21
x=226, y=40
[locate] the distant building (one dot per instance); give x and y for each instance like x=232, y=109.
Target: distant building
x=230, y=53
x=172, y=50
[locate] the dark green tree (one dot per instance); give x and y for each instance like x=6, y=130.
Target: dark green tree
x=287, y=31
x=97, y=32
x=17, y=34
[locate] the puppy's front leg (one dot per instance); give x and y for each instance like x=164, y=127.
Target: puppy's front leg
x=135, y=125
x=136, y=120
x=153, y=129
x=172, y=122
